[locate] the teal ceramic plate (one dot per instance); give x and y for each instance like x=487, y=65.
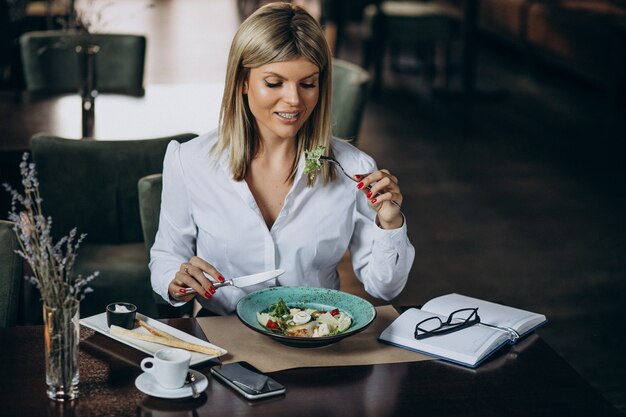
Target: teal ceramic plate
x=362, y=312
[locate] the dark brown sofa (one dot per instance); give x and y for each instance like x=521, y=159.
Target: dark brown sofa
x=587, y=37
x=584, y=37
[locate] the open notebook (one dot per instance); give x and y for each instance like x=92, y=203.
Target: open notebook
x=498, y=325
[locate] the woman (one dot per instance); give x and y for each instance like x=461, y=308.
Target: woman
x=236, y=201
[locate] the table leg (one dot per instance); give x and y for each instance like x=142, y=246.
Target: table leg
x=88, y=87
x=88, y=116
x=468, y=45
x=469, y=90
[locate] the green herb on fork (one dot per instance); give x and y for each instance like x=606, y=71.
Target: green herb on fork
x=313, y=164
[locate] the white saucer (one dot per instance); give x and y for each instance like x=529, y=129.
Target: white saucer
x=148, y=385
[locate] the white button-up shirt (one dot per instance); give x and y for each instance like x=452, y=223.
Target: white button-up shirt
x=205, y=212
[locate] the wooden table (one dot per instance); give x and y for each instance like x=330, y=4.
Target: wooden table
x=528, y=379
x=164, y=110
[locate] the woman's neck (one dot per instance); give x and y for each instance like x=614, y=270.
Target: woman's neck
x=276, y=154
x=268, y=177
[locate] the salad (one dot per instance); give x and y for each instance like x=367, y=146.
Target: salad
x=312, y=163
x=282, y=319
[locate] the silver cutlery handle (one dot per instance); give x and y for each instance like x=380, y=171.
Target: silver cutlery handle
x=216, y=285
x=192, y=382
x=227, y=283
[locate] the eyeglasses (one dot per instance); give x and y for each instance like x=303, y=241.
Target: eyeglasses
x=457, y=320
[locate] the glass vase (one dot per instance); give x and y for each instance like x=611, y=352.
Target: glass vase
x=62, y=335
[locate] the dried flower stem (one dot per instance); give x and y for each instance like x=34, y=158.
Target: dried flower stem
x=51, y=263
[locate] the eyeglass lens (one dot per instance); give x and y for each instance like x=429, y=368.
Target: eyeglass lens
x=461, y=316
x=430, y=324
x=456, y=320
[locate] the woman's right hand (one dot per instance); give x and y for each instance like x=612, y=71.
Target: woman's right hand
x=194, y=274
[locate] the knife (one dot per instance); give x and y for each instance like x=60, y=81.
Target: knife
x=244, y=281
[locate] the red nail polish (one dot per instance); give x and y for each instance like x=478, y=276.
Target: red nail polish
x=357, y=176
x=369, y=194
x=212, y=290
x=182, y=291
x=207, y=295
x=373, y=201
x=359, y=185
x=220, y=278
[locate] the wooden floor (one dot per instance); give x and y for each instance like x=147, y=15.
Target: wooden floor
x=519, y=200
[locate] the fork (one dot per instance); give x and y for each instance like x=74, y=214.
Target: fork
x=334, y=161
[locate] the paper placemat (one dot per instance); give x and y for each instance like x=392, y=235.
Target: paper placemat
x=268, y=355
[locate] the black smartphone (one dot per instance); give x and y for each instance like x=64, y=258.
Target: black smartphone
x=247, y=380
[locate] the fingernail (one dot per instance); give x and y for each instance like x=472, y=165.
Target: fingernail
x=357, y=176
x=369, y=194
x=182, y=291
x=212, y=290
x=220, y=278
x=373, y=200
x=207, y=295
x=359, y=185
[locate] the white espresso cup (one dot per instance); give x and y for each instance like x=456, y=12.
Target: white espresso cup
x=168, y=366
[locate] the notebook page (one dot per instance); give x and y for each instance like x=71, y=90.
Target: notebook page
x=491, y=313
x=468, y=346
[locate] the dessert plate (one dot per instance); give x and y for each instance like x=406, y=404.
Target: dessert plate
x=99, y=324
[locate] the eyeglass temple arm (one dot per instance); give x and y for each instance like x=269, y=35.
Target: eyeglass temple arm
x=514, y=335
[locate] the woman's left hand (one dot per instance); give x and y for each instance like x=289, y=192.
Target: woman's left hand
x=382, y=190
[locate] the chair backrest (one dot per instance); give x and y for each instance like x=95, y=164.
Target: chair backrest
x=149, y=189
x=11, y=274
x=349, y=94
x=92, y=184
x=51, y=63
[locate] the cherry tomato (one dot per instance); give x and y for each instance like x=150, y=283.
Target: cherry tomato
x=271, y=325
x=334, y=312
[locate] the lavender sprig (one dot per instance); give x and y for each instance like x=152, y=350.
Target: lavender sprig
x=52, y=263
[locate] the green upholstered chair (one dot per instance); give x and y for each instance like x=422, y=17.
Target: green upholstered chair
x=349, y=94
x=11, y=274
x=51, y=63
x=92, y=185
x=149, y=189
x=421, y=26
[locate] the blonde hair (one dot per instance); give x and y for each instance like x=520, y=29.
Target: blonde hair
x=276, y=32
